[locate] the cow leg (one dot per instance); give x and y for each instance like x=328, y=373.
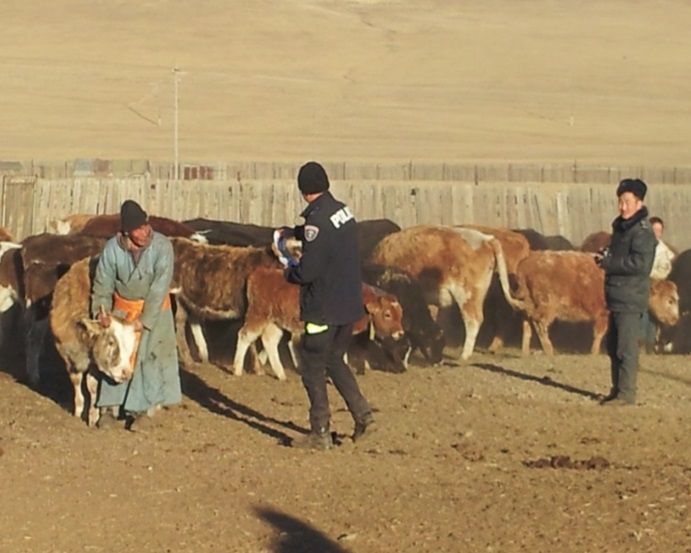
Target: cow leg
x=36, y=330
x=260, y=358
x=599, y=331
x=542, y=329
x=271, y=338
x=76, y=379
x=181, y=339
x=92, y=386
x=199, y=340
x=293, y=344
x=246, y=337
x=527, y=337
x=497, y=344
x=472, y=320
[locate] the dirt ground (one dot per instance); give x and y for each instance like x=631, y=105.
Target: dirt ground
x=498, y=454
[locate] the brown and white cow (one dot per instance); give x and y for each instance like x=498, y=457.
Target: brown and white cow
x=11, y=289
x=45, y=258
x=106, y=226
x=11, y=286
x=569, y=286
x=209, y=283
x=85, y=346
x=274, y=307
x=71, y=224
x=453, y=265
x=499, y=315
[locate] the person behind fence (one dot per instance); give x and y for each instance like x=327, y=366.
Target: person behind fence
x=132, y=282
x=627, y=263
x=662, y=267
x=328, y=273
x=664, y=255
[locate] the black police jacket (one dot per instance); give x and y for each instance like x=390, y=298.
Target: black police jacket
x=628, y=263
x=329, y=269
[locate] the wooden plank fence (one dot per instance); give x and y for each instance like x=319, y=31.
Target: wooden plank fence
x=572, y=210
x=476, y=173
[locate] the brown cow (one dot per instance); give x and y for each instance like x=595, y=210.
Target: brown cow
x=453, y=265
x=596, y=241
x=274, y=306
x=664, y=302
x=85, y=346
x=105, y=226
x=5, y=235
x=210, y=284
x=569, y=286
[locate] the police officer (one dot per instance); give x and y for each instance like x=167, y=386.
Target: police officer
x=330, y=302
x=627, y=264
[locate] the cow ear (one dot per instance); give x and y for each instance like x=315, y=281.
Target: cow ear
x=372, y=307
x=92, y=327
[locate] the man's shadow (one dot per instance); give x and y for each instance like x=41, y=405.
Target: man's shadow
x=295, y=536
x=216, y=402
x=543, y=380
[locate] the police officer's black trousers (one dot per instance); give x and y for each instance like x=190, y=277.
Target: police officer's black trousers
x=322, y=354
x=622, y=347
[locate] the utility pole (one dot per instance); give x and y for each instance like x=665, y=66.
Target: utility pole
x=176, y=152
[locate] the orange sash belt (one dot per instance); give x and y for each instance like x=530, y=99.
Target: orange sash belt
x=133, y=310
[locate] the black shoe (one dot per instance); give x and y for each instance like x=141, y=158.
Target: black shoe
x=363, y=427
x=609, y=397
x=317, y=441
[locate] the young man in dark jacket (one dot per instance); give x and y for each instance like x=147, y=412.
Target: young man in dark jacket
x=330, y=302
x=627, y=264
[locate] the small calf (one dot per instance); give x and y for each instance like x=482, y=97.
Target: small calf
x=273, y=306
x=86, y=347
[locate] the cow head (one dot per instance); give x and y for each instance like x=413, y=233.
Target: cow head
x=112, y=348
x=664, y=302
x=386, y=315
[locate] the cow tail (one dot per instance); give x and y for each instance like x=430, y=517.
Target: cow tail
x=504, y=276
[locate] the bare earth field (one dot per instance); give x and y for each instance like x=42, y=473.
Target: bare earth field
x=499, y=454
x=544, y=80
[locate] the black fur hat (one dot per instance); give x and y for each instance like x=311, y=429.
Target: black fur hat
x=636, y=186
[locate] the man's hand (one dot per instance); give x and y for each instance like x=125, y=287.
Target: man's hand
x=103, y=319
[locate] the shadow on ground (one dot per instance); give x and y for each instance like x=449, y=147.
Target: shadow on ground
x=296, y=536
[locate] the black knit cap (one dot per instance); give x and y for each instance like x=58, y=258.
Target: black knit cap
x=636, y=186
x=312, y=178
x=132, y=216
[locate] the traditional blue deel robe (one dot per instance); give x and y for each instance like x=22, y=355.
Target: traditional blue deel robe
x=156, y=379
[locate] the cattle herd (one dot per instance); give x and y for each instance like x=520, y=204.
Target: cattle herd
x=415, y=281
